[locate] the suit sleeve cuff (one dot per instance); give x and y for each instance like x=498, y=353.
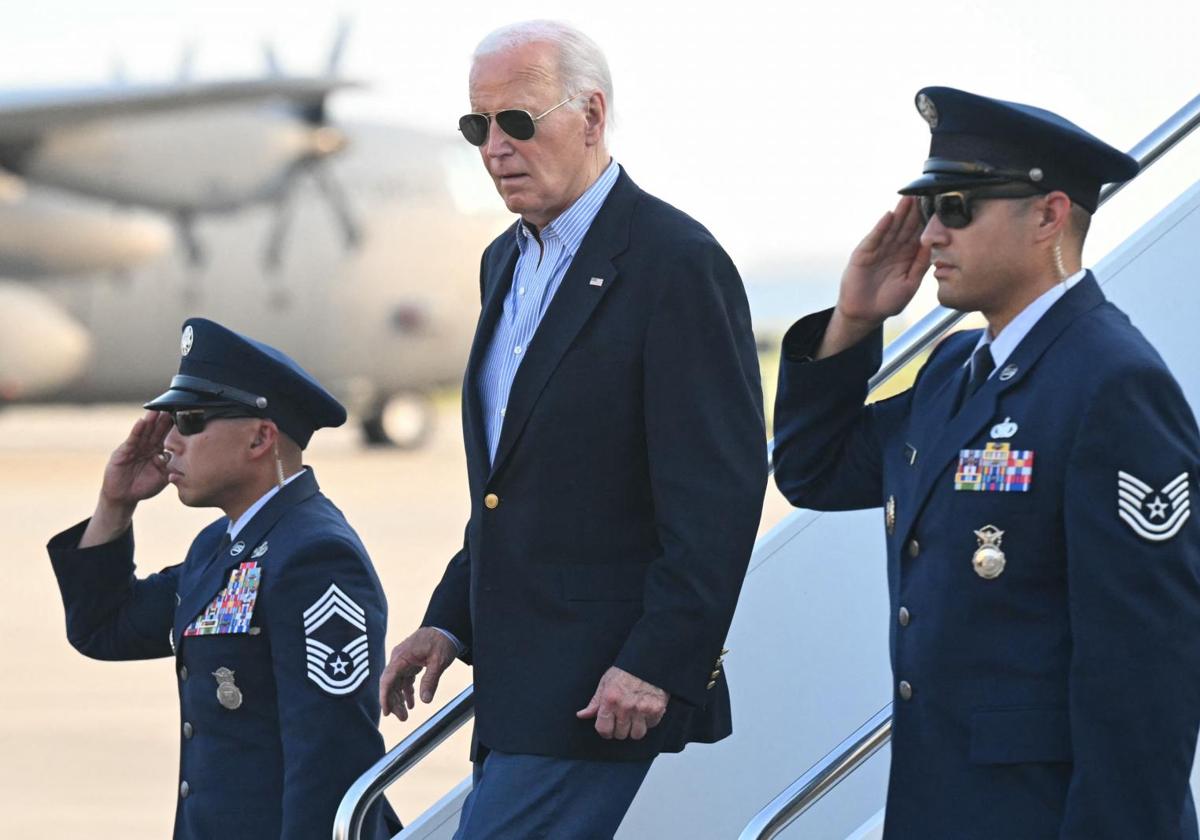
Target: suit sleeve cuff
x=803, y=339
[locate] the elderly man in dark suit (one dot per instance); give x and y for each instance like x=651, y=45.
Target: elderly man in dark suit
x=613, y=426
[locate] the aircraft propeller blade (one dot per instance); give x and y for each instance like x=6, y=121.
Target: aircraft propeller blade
x=284, y=210
x=192, y=249
x=336, y=197
x=338, y=49
x=330, y=189
x=271, y=59
x=187, y=62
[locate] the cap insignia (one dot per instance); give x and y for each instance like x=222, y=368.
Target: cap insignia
x=927, y=110
x=186, y=341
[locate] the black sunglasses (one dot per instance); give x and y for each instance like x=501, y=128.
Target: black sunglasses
x=516, y=123
x=953, y=209
x=192, y=421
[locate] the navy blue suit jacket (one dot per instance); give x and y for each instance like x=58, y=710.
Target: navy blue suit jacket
x=629, y=478
x=1061, y=698
x=277, y=765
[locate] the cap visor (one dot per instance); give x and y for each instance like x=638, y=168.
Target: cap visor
x=176, y=399
x=935, y=182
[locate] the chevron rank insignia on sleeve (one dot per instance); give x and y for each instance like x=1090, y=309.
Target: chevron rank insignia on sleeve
x=335, y=642
x=1155, y=515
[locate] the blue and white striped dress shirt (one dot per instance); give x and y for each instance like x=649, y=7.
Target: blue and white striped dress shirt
x=538, y=275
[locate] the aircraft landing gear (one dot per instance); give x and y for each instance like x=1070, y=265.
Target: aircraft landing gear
x=404, y=421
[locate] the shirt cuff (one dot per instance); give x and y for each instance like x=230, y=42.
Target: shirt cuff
x=459, y=646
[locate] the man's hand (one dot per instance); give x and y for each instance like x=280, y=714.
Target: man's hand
x=625, y=706
x=427, y=648
x=883, y=274
x=135, y=471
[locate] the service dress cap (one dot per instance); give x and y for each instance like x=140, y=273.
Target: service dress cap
x=977, y=141
x=221, y=368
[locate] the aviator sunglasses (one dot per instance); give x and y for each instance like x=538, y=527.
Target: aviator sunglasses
x=193, y=420
x=516, y=123
x=953, y=209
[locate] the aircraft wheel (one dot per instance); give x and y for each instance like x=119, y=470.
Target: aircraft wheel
x=401, y=420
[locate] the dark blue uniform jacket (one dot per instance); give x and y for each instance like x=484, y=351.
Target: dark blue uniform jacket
x=1059, y=699
x=628, y=485
x=307, y=681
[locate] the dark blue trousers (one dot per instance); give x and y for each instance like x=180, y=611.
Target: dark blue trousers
x=526, y=797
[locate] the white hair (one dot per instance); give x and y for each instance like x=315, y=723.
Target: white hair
x=581, y=63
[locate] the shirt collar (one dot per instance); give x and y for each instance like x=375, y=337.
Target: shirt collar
x=1010, y=337
x=572, y=224
x=244, y=519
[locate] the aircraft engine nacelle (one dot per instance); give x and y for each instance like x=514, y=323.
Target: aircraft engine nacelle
x=47, y=233
x=213, y=159
x=42, y=348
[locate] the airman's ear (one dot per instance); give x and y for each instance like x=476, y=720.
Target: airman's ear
x=1055, y=216
x=266, y=434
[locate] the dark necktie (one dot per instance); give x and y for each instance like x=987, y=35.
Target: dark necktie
x=982, y=365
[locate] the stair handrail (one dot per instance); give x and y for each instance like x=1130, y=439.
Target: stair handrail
x=347, y=823
x=821, y=778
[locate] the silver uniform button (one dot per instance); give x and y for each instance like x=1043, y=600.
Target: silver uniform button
x=182, y=672
x=184, y=789
x=188, y=732
x=904, y=616
x=914, y=548
x=905, y=690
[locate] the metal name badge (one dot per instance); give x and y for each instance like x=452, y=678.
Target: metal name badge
x=988, y=559
x=228, y=694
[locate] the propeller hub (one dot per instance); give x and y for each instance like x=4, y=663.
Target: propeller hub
x=328, y=140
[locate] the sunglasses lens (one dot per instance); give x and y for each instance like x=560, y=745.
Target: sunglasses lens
x=474, y=128
x=516, y=124
x=953, y=210
x=189, y=422
x=926, y=206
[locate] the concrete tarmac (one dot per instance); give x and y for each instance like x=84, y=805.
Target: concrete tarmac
x=90, y=749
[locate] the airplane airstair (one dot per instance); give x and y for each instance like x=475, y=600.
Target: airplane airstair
x=809, y=642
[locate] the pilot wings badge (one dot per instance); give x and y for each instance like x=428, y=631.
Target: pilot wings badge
x=335, y=642
x=1155, y=515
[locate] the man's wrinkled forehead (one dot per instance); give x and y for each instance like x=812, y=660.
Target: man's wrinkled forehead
x=528, y=71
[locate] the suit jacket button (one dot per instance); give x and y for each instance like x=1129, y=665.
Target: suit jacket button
x=182, y=673
x=187, y=730
x=184, y=790
x=904, y=616
x=711, y=684
x=914, y=548
x=905, y=690
x=491, y=501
